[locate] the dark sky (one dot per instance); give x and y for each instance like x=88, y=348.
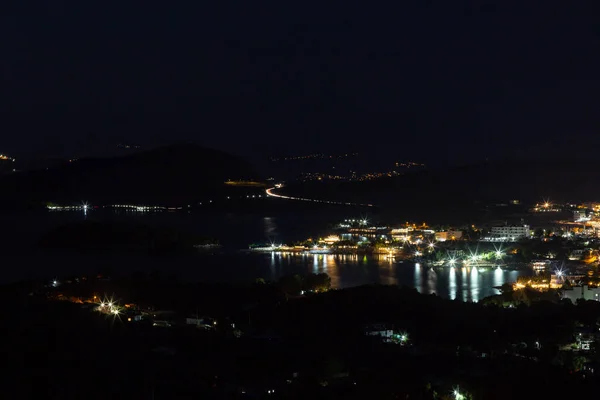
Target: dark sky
x=442, y=81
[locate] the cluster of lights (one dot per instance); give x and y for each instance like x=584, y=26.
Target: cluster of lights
x=85, y=207
x=402, y=337
x=6, y=158
x=474, y=258
x=109, y=306
x=316, y=156
x=354, y=177
x=68, y=208
x=458, y=395
x=409, y=164
x=244, y=183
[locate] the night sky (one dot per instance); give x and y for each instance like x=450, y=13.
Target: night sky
x=442, y=83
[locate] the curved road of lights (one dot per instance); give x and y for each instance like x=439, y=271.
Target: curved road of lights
x=270, y=193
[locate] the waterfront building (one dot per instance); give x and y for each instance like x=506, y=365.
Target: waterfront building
x=330, y=239
x=508, y=233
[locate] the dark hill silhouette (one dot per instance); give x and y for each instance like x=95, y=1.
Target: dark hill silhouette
x=118, y=236
x=172, y=174
x=466, y=186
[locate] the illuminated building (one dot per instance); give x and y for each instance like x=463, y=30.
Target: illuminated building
x=402, y=233
x=581, y=292
x=580, y=216
x=331, y=239
x=448, y=235
x=508, y=233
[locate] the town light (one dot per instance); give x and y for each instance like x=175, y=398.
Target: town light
x=458, y=395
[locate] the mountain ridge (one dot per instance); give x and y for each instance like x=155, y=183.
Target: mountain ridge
x=175, y=173
x=528, y=181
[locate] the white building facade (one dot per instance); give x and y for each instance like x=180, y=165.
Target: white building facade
x=508, y=233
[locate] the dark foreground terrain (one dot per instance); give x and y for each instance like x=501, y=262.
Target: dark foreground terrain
x=267, y=341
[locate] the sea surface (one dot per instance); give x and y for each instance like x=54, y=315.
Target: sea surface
x=19, y=258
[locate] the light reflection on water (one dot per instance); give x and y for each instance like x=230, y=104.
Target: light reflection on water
x=418, y=277
x=475, y=284
x=464, y=283
x=234, y=231
x=452, y=283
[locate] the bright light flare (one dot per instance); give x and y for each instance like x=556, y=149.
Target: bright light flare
x=458, y=395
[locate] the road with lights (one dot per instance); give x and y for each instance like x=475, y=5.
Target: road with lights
x=271, y=194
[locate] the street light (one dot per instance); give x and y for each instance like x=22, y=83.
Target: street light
x=458, y=395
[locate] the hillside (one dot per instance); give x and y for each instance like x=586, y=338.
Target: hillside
x=465, y=187
x=172, y=174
